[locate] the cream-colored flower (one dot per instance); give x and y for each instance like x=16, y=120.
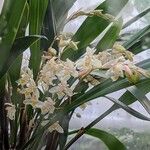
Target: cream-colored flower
x=68, y=43
x=26, y=76
x=104, y=56
x=91, y=80
x=56, y=127
x=49, y=54
x=112, y=62
x=28, y=88
x=46, y=106
x=68, y=70
x=73, y=45
x=61, y=90
x=144, y=72
x=88, y=62
x=64, y=43
x=48, y=73
x=53, y=127
x=11, y=110
x=133, y=73
x=119, y=49
x=26, y=82
x=33, y=101
x=116, y=71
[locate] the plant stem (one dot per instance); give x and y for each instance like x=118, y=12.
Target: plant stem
x=23, y=129
x=4, y=142
x=52, y=141
x=84, y=130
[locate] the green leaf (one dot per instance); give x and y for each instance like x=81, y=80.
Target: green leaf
x=134, y=19
x=140, y=96
x=139, y=46
x=14, y=22
x=140, y=6
x=24, y=22
x=108, y=40
x=135, y=38
x=54, y=20
x=11, y=28
x=128, y=109
x=110, y=141
x=49, y=26
x=6, y=11
x=65, y=125
x=19, y=46
x=92, y=27
x=60, y=13
x=127, y=98
x=102, y=89
x=98, y=91
x=145, y=64
x=14, y=71
x=83, y=86
x=36, y=17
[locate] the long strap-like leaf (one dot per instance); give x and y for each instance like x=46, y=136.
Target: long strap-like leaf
x=140, y=96
x=134, y=19
x=135, y=38
x=110, y=141
x=36, y=17
x=19, y=46
x=128, y=109
x=11, y=29
x=108, y=40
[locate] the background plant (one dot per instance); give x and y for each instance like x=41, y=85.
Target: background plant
x=43, y=18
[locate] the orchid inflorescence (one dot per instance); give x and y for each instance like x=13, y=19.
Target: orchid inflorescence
x=60, y=78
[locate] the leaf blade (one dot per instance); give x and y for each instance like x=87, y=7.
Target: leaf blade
x=140, y=96
x=110, y=36
x=36, y=18
x=110, y=141
x=18, y=48
x=128, y=109
x=134, y=19
x=135, y=38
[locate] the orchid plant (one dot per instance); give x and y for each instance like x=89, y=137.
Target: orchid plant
x=64, y=71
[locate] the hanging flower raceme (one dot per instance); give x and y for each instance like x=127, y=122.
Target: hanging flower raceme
x=58, y=81
x=55, y=74
x=48, y=73
x=46, y=106
x=28, y=88
x=62, y=89
x=88, y=62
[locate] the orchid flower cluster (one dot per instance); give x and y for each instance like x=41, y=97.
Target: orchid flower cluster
x=59, y=78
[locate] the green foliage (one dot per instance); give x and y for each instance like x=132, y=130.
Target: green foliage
x=132, y=140
x=36, y=18
x=141, y=6
x=19, y=46
x=111, y=142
